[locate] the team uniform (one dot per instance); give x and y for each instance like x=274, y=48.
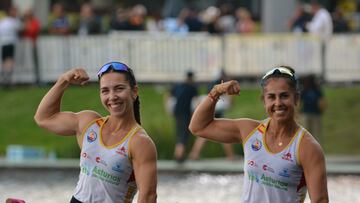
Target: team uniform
x=272, y=177
x=107, y=174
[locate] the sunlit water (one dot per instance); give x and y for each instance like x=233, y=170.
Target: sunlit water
x=57, y=187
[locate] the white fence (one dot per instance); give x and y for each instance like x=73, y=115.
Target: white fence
x=165, y=58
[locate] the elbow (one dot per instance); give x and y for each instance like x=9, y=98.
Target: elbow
x=40, y=122
x=193, y=129
x=149, y=197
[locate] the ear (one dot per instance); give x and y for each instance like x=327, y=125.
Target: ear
x=135, y=92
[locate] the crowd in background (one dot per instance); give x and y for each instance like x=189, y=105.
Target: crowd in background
x=221, y=19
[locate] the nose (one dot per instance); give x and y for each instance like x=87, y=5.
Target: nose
x=278, y=101
x=112, y=95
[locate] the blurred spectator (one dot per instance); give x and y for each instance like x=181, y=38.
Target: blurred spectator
x=177, y=25
x=210, y=17
x=300, y=18
x=226, y=21
x=137, y=17
x=222, y=105
x=184, y=93
x=340, y=25
x=31, y=31
x=89, y=23
x=133, y=19
x=31, y=26
x=59, y=23
x=313, y=104
x=119, y=19
x=321, y=23
x=10, y=27
x=193, y=21
x=245, y=23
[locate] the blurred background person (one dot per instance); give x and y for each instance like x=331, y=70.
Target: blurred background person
x=31, y=30
x=321, y=23
x=313, y=105
x=222, y=105
x=299, y=19
x=184, y=94
x=89, y=23
x=10, y=27
x=59, y=23
x=339, y=23
x=244, y=23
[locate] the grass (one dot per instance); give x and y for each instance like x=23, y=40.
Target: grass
x=17, y=107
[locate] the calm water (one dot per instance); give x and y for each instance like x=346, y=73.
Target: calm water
x=57, y=187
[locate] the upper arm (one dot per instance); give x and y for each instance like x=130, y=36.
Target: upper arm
x=144, y=156
x=228, y=130
x=313, y=162
x=68, y=123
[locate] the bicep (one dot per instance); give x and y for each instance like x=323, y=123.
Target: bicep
x=62, y=123
x=68, y=123
x=228, y=130
x=144, y=161
x=313, y=162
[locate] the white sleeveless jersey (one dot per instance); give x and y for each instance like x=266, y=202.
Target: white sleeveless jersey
x=106, y=172
x=272, y=177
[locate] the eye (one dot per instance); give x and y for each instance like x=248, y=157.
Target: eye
x=104, y=91
x=284, y=96
x=270, y=96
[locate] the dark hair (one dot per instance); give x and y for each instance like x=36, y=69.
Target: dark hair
x=129, y=75
x=292, y=80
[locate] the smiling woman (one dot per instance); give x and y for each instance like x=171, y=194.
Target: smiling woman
x=282, y=159
x=117, y=156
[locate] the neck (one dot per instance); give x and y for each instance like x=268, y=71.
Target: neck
x=278, y=130
x=116, y=124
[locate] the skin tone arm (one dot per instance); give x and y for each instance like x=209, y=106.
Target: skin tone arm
x=313, y=162
x=48, y=114
x=144, y=158
x=204, y=124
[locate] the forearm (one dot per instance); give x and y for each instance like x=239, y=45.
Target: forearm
x=147, y=196
x=50, y=104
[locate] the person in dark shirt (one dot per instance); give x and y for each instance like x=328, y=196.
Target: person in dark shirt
x=183, y=93
x=313, y=105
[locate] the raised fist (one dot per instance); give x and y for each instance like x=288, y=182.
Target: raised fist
x=231, y=87
x=77, y=76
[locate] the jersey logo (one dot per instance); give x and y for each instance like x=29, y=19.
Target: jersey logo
x=256, y=145
x=287, y=157
x=121, y=151
x=91, y=137
x=267, y=168
x=284, y=173
x=117, y=167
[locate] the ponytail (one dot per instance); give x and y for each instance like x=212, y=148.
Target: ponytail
x=137, y=110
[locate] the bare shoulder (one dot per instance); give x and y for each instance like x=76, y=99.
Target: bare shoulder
x=142, y=138
x=246, y=126
x=142, y=144
x=85, y=117
x=310, y=149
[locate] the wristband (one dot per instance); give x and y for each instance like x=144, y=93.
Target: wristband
x=212, y=97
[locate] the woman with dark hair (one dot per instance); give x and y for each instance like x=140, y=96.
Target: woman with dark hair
x=117, y=156
x=282, y=160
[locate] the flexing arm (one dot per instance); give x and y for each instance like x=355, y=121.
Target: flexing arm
x=144, y=158
x=204, y=125
x=313, y=162
x=48, y=114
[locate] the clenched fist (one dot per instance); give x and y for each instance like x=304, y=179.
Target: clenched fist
x=77, y=76
x=231, y=87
